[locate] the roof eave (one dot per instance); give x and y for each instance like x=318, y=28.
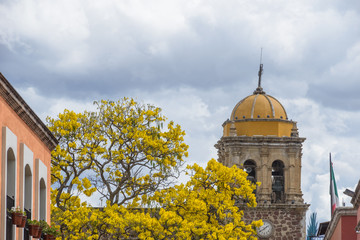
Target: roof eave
x=20, y=107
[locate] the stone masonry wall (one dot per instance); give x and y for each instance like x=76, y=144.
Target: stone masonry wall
x=289, y=222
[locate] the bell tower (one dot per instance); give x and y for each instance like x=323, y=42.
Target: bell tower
x=261, y=139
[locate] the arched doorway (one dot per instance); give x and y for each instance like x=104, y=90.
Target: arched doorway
x=277, y=176
x=10, y=191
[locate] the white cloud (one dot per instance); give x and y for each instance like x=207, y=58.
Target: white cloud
x=45, y=106
x=326, y=131
x=186, y=107
x=59, y=27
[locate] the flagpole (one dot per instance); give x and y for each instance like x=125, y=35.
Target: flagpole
x=333, y=189
x=331, y=203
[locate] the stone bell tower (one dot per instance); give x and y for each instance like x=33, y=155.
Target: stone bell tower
x=261, y=139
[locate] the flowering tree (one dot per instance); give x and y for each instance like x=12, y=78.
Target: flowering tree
x=203, y=208
x=123, y=152
x=120, y=151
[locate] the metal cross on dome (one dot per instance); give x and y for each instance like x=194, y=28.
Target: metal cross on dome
x=260, y=74
x=259, y=89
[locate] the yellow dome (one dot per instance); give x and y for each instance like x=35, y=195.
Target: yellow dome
x=259, y=115
x=258, y=106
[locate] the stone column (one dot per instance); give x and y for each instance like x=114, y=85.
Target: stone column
x=298, y=197
x=264, y=171
x=293, y=189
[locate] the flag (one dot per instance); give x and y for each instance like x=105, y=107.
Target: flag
x=333, y=189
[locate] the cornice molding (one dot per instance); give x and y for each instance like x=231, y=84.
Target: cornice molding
x=269, y=205
x=355, y=200
x=338, y=213
x=262, y=139
x=20, y=107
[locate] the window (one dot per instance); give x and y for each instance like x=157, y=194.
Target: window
x=27, y=198
x=10, y=191
x=42, y=206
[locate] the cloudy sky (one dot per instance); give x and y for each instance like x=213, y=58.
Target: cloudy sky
x=196, y=59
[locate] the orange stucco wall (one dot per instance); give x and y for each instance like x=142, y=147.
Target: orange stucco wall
x=345, y=229
x=348, y=225
x=337, y=233
x=9, y=119
x=264, y=128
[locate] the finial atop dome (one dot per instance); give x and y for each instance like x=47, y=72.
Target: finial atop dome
x=259, y=89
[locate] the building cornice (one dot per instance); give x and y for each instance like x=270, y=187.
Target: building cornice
x=295, y=206
x=20, y=107
x=262, y=139
x=338, y=213
x=355, y=200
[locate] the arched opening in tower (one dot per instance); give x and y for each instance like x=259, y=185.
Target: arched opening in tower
x=250, y=169
x=277, y=177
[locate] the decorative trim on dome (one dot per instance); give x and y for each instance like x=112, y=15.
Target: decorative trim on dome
x=286, y=117
x=261, y=120
x=232, y=117
x=253, y=106
x=272, y=107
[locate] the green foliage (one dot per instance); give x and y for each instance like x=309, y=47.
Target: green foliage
x=51, y=231
x=43, y=224
x=312, y=228
x=33, y=222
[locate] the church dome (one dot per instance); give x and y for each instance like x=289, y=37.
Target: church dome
x=258, y=106
x=259, y=115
